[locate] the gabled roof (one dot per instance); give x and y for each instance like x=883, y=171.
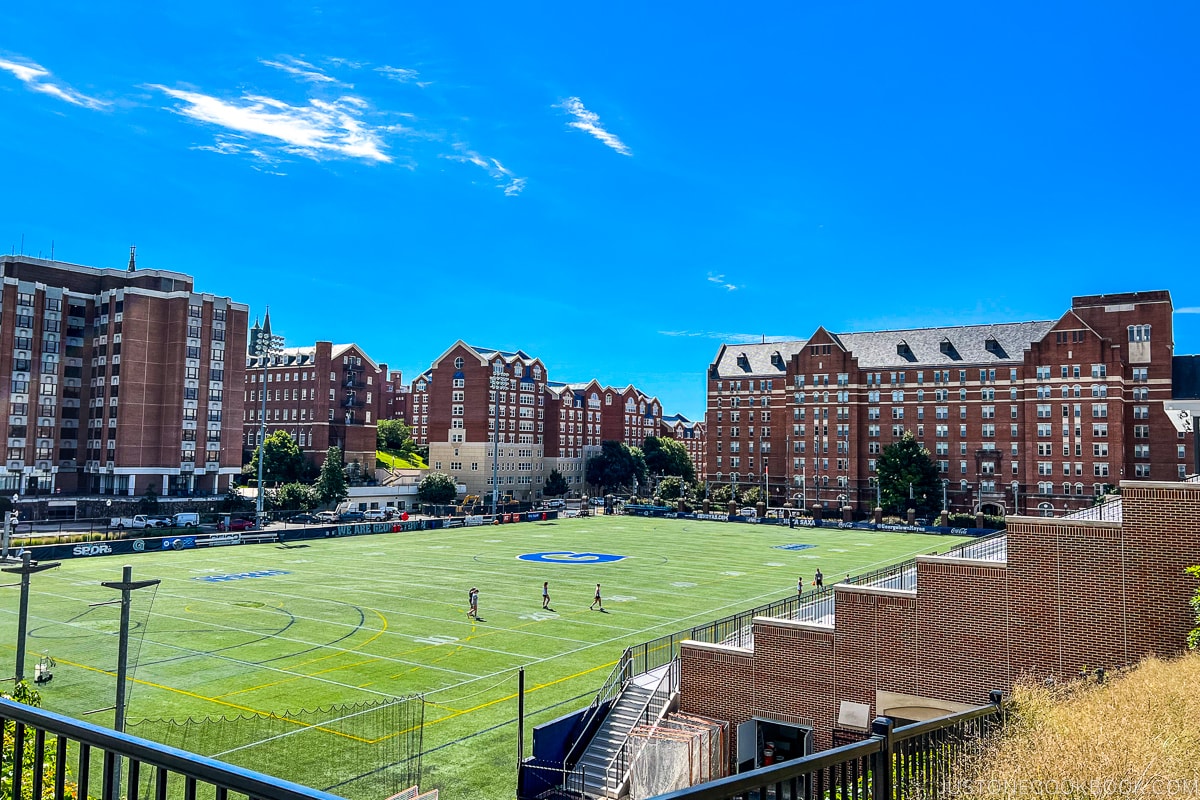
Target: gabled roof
x=755, y=360
x=944, y=347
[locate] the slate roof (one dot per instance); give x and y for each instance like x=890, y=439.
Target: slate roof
x=758, y=359
x=965, y=344
x=1002, y=343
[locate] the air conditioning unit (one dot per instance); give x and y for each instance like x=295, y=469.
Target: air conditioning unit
x=43, y=465
x=109, y=464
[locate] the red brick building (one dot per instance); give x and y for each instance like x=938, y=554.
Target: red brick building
x=466, y=418
x=1067, y=594
x=1020, y=417
x=691, y=434
x=116, y=380
x=325, y=395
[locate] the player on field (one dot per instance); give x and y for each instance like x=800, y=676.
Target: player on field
x=597, y=601
x=545, y=594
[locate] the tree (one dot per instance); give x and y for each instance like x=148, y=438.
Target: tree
x=331, y=484
x=670, y=488
x=282, y=461
x=234, y=501
x=22, y=692
x=556, y=484
x=437, y=488
x=753, y=496
x=149, y=502
x=667, y=456
x=394, y=434
x=906, y=463
x=617, y=466
x=721, y=495
x=294, y=496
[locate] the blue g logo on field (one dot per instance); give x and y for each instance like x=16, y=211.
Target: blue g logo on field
x=570, y=557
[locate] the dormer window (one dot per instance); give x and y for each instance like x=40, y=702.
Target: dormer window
x=743, y=361
x=777, y=359
x=902, y=349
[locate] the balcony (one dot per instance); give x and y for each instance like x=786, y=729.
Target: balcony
x=352, y=402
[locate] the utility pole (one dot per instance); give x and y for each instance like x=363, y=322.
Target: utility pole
x=27, y=568
x=126, y=586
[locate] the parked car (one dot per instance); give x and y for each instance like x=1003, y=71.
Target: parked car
x=326, y=517
x=160, y=522
x=303, y=519
x=748, y=511
x=187, y=519
x=351, y=516
x=375, y=515
x=556, y=503
x=236, y=525
x=137, y=521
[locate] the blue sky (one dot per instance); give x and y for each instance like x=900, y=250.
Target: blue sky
x=615, y=188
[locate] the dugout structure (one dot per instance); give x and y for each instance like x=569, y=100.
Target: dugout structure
x=361, y=751
x=678, y=752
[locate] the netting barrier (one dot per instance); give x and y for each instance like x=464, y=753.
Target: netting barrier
x=680, y=751
x=362, y=751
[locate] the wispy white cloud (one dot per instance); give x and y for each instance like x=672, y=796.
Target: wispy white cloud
x=732, y=338
x=402, y=75
x=719, y=280
x=318, y=130
x=504, y=177
x=1188, y=310
x=302, y=70
x=39, y=79
x=589, y=122
x=345, y=62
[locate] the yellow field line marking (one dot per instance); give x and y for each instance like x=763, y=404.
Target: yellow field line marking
x=196, y=696
x=354, y=649
x=497, y=700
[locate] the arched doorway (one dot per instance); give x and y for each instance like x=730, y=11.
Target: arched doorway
x=992, y=509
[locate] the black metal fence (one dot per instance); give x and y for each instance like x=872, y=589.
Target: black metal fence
x=922, y=760
x=109, y=765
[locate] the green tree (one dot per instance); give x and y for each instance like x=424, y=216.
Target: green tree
x=22, y=692
x=149, y=502
x=437, y=488
x=394, y=434
x=670, y=488
x=753, y=496
x=667, y=456
x=294, y=496
x=721, y=495
x=331, y=483
x=618, y=466
x=1194, y=636
x=556, y=484
x=906, y=463
x=282, y=461
x=234, y=501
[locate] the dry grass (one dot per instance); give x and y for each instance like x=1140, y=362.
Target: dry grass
x=1135, y=736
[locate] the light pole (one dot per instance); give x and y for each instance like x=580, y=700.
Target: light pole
x=10, y=526
x=499, y=383
x=945, y=482
x=265, y=346
x=875, y=482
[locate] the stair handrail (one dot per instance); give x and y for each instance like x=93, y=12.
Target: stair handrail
x=663, y=695
x=612, y=686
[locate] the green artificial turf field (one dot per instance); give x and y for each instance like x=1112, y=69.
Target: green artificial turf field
x=362, y=619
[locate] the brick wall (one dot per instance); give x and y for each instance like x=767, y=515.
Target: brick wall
x=1073, y=594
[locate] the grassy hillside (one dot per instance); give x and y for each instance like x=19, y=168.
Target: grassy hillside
x=1136, y=735
x=391, y=459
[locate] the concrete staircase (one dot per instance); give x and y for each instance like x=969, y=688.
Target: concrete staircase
x=627, y=712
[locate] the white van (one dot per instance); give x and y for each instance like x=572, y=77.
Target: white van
x=186, y=519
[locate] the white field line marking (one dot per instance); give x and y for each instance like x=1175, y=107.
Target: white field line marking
x=231, y=628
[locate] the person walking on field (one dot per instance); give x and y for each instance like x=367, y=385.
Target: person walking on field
x=800, y=586
x=819, y=578
x=545, y=594
x=473, y=601
x=597, y=601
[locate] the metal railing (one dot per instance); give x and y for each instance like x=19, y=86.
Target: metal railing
x=122, y=765
x=737, y=630
x=612, y=688
x=916, y=761
x=656, y=707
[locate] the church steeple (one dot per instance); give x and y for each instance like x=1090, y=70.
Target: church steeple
x=132, y=257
